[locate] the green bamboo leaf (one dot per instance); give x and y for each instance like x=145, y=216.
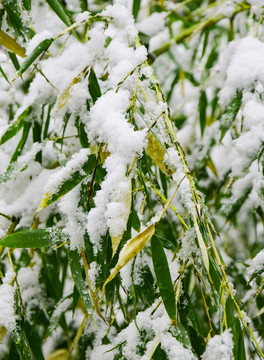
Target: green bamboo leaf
x=93, y=86
x=81, y=285
x=33, y=340
x=74, y=177
x=39, y=49
x=80, y=126
x=4, y=75
x=59, y=310
x=15, y=126
x=135, y=8
x=22, y=142
x=59, y=9
x=14, y=60
x=34, y=238
x=230, y=113
x=27, y=4
x=20, y=165
x=212, y=57
x=202, y=111
x=163, y=277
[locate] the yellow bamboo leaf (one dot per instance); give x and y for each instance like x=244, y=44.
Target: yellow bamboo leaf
x=67, y=92
x=132, y=248
x=61, y=354
x=156, y=152
x=126, y=204
x=201, y=243
x=3, y=332
x=212, y=167
x=11, y=44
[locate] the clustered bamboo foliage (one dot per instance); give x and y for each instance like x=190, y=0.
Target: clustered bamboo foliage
x=131, y=210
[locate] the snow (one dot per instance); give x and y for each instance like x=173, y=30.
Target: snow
x=82, y=17
x=245, y=66
x=74, y=164
x=7, y=302
x=256, y=264
x=219, y=347
x=152, y=24
x=123, y=144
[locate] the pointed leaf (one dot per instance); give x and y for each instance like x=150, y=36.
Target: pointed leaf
x=230, y=113
x=202, y=110
x=81, y=285
x=15, y=126
x=59, y=9
x=33, y=340
x=157, y=152
x=69, y=177
x=11, y=44
x=201, y=243
x=39, y=49
x=93, y=86
x=163, y=277
x=131, y=249
x=34, y=238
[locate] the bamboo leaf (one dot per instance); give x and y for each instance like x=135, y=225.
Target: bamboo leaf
x=21, y=144
x=58, y=8
x=39, y=49
x=15, y=126
x=163, y=277
x=132, y=248
x=34, y=238
x=135, y=8
x=230, y=113
x=157, y=152
x=59, y=310
x=3, y=332
x=201, y=243
x=93, y=86
x=11, y=44
x=74, y=176
x=33, y=340
x=81, y=285
x=20, y=165
x=4, y=75
x=202, y=110
x=61, y=354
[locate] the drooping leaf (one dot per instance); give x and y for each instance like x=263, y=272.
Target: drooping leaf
x=22, y=142
x=202, y=110
x=230, y=113
x=15, y=126
x=135, y=8
x=34, y=238
x=157, y=152
x=93, y=86
x=163, y=277
x=81, y=285
x=59, y=310
x=33, y=340
x=131, y=249
x=201, y=243
x=59, y=9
